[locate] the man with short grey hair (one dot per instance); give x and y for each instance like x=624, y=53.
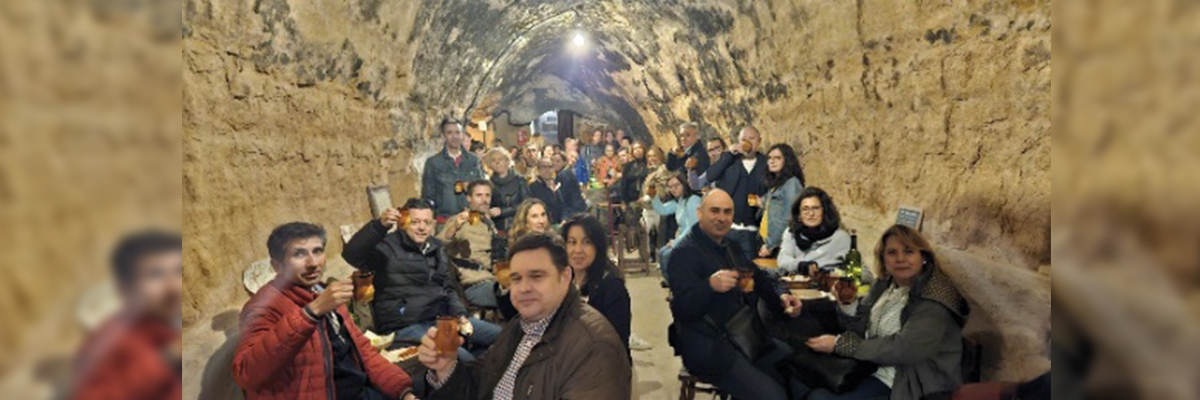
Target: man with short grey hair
x=690, y=156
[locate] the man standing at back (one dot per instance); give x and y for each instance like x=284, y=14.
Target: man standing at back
x=690, y=156
x=447, y=173
x=739, y=172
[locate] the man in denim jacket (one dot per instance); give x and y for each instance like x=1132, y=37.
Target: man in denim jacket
x=448, y=172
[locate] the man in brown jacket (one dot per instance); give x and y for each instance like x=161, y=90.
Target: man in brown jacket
x=559, y=348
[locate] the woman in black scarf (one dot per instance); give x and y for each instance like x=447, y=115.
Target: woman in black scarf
x=814, y=235
x=509, y=188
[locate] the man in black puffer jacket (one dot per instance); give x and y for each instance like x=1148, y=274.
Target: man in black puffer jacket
x=413, y=282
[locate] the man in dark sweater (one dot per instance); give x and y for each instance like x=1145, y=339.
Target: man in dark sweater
x=739, y=172
x=704, y=281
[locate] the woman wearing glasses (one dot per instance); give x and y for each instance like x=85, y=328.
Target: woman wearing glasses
x=814, y=236
x=683, y=204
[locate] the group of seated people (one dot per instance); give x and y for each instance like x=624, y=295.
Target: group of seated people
x=566, y=311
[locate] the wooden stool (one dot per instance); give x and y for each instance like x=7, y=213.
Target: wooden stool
x=690, y=385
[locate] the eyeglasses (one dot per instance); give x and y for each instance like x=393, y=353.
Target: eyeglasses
x=808, y=210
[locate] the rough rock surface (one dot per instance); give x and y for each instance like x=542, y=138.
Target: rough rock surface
x=292, y=108
x=89, y=150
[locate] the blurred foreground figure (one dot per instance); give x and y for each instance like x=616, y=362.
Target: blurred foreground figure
x=298, y=340
x=138, y=354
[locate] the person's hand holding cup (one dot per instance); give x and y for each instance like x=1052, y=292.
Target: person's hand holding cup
x=390, y=217
x=500, y=270
x=429, y=356
x=336, y=294
x=723, y=281
x=746, y=280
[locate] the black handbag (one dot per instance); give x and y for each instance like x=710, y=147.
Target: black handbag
x=746, y=332
x=830, y=371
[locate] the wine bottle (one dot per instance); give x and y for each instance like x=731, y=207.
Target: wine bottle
x=854, y=264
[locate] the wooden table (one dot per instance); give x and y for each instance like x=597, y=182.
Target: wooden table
x=766, y=263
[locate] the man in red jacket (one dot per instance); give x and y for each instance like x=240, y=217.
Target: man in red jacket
x=297, y=338
x=137, y=354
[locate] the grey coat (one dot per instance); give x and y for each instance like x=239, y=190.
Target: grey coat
x=927, y=352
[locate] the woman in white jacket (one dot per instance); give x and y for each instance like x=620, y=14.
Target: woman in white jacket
x=814, y=235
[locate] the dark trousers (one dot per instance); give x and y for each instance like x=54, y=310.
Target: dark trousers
x=870, y=389
x=757, y=380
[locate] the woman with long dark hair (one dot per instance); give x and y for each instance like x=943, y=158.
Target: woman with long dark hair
x=814, y=236
x=599, y=280
x=784, y=179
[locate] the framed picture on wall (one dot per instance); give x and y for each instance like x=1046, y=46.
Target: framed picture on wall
x=910, y=216
x=380, y=199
